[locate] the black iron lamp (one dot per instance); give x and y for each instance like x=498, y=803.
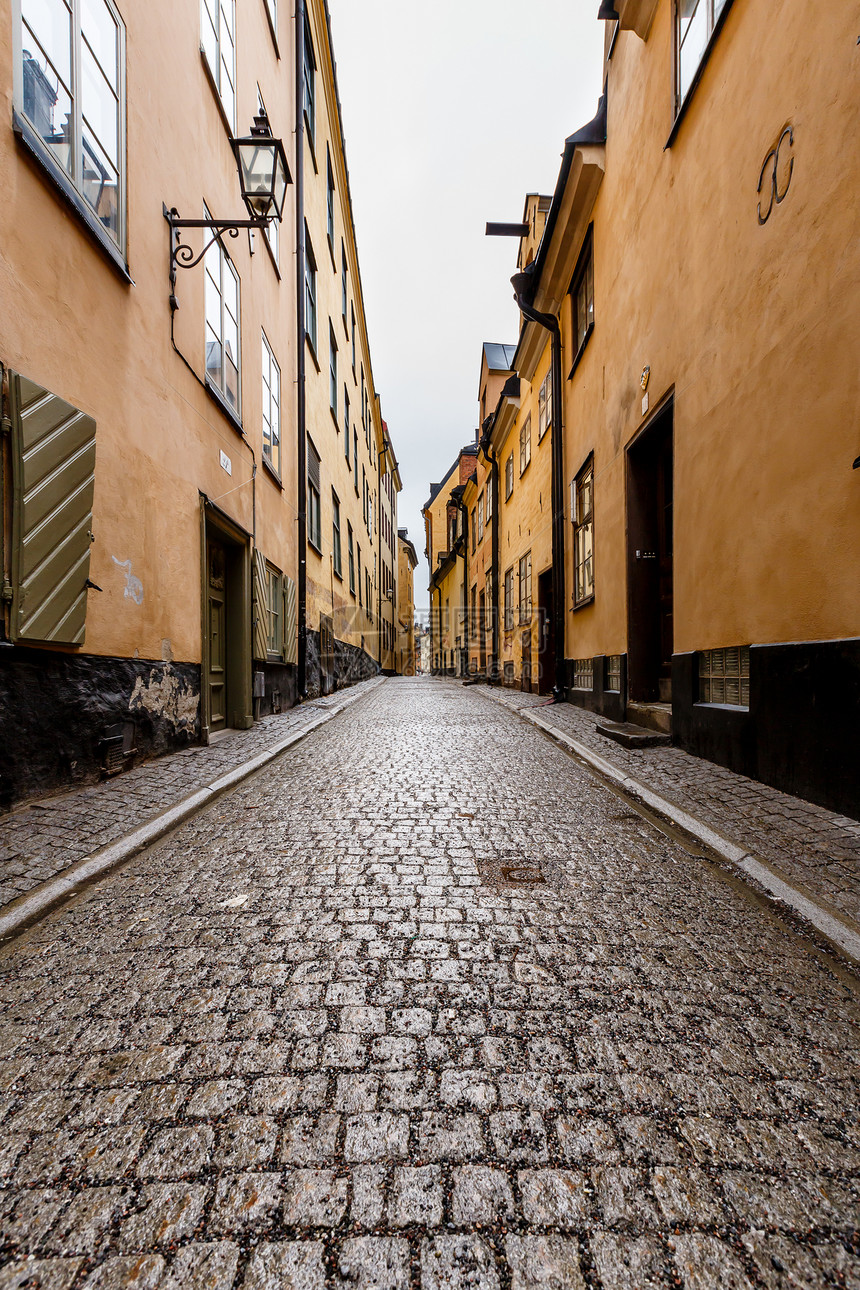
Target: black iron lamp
x=264, y=176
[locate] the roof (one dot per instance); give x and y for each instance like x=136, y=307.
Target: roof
x=499, y=357
x=403, y=538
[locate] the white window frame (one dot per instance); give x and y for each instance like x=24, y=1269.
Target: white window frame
x=708, y=15
x=216, y=254
x=545, y=406
x=509, y=477
x=218, y=25
x=525, y=444
x=271, y=407
x=582, y=514
x=274, y=611
x=72, y=181
x=310, y=292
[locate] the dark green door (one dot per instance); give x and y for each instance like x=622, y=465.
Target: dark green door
x=217, y=628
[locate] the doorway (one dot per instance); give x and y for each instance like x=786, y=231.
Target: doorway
x=650, y=558
x=482, y=633
x=226, y=680
x=546, y=651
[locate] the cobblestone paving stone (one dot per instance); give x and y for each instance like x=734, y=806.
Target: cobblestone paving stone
x=42, y=840
x=809, y=844
x=301, y=1044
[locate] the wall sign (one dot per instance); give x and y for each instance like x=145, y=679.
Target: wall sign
x=769, y=177
x=226, y=463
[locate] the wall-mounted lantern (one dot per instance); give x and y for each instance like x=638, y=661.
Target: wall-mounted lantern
x=263, y=176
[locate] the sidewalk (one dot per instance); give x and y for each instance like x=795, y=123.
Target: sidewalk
x=106, y=822
x=800, y=853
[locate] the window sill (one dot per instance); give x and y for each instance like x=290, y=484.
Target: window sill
x=723, y=707
x=579, y=353
x=583, y=604
x=525, y=467
x=229, y=411
x=30, y=140
x=338, y=575
x=694, y=84
x=273, y=474
x=334, y=418
x=229, y=126
x=310, y=346
x=331, y=253
x=313, y=545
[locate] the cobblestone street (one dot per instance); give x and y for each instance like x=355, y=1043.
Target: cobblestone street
x=423, y=1005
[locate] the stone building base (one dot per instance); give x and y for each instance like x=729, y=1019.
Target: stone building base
x=351, y=665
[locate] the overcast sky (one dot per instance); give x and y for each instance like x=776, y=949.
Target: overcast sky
x=453, y=110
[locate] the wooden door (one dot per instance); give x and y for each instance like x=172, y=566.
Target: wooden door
x=217, y=628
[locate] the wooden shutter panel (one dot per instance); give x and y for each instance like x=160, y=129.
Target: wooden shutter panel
x=53, y=478
x=261, y=606
x=291, y=650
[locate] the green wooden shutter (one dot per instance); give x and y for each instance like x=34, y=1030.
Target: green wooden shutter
x=53, y=477
x=291, y=648
x=261, y=606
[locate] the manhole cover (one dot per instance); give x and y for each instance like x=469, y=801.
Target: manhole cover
x=510, y=873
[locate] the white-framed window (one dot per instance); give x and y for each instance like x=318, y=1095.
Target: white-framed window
x=489, y=499
x=352, y=307
x=582, y=508
x=70, y=91
x=310, y=292
x=344, y=283
x=271, y=408
x=545, y=406
x=695, y=23
x=222, y=324
x=509, y=476
x=525, y=443
x=582, y=299
x=219, y=49
x=509, y=600
x=350, y=551
x=525, y=572
x=275, y=595
x=272, y=11
x=481, y=518
x=309, y=90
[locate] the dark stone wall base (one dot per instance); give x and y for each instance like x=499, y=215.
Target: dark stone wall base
x=800, y=731
x=280, y=683
x=610, y=704
x=351, y=665
x=63, y=716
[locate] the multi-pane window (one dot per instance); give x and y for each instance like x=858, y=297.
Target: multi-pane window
x=332, y=371
x=368, y=593
x=271, y=408
x=272, y=10
x=346, y=416
x=219, y=48
x=695, y=23
x=489, y=499
x=350, y=551
x=344, y=283
x=275, y=595
x=545, y=406
x=352, y=307
x=335, y=533
x=329, y=200
x=525, y=443
x=309, y=83
x=525, y=572
x=724, y=676
x=222, y=323
x=613, y=672
x=474, y=526
x=582, y=299
x=355, y=456
x=314, y=517
x=582, y=509
x=509, y=476
x=70, y=87
x=481, y=518
x=583, y=674
x=358, y=575
x=310, y=292
x=509, y=600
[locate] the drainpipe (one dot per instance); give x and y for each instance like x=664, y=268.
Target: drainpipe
x=301, y=454
x=522, y=282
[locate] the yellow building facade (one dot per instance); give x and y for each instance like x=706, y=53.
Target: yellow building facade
x=407, y=563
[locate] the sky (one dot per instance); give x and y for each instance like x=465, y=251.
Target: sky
x=453, y=110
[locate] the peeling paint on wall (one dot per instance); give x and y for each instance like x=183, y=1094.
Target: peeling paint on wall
x=167, y=696
x=133, y=586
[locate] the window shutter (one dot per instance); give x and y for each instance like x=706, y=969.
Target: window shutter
x=291, y=653
x=261, y=606
x=53, y=474
x=313, y=466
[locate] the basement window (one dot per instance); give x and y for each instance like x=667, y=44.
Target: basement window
x=724, y=676
x=583, y=674
x=613, y=673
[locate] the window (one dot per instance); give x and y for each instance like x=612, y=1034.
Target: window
x=525, y=443
x=222, y=324
x=509, y=600
x=344, y=283
x=368, y=594
x=526, y=587
x=275, y=597
x=309, y=83
x=696, y=21
x=358, y=557
x=545, y=406
x=313, y=505
x=613, y=672
x=346, y=416
x=355, y=457
x=474, y=529
x=583, y=674
x=489, y=499
x=481, y=518
x=724, y=676
x=582, y=509
x=219, y=48
x=310, y=293
x=509, y=476
x=350, y=551
x=582, y=300
x=352, y=308
x=335, y=534
x=70, y=87
x=332, y=370
x=330, y=201
x=271, y=408
x=272, y=10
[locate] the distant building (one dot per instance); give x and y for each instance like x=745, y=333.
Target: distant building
x=407, y=563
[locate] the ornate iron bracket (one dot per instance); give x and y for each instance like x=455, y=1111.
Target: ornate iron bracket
x=183, y=256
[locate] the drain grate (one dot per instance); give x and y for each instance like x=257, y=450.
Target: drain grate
x=510, y=873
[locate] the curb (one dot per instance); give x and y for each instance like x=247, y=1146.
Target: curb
x=839, y=931
x=31, y=906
